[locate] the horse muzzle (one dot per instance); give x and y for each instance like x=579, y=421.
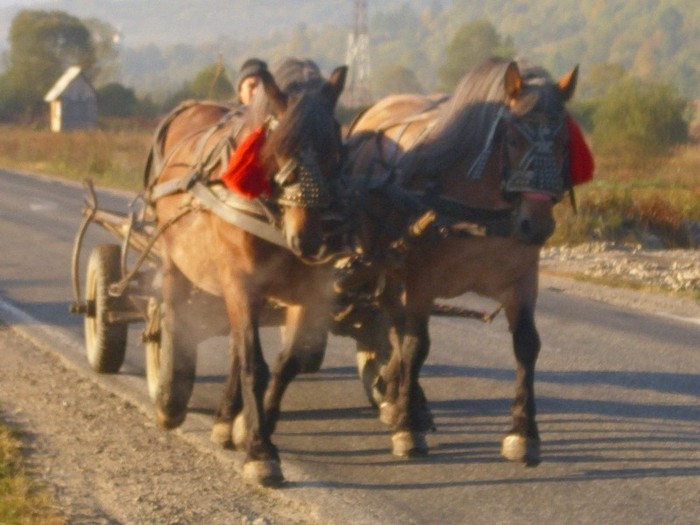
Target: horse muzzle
x=534, y=223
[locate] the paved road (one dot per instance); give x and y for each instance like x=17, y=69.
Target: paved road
x=618, y=398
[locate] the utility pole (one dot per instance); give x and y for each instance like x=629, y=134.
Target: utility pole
x=357, y=92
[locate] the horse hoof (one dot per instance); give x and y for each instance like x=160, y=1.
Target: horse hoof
x=521, y=449
x=409, y=444
x=387, y=413
x=239, y=432
x=221, y=434
x=266, y=473
x=169, y=421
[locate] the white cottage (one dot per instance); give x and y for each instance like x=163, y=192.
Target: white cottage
x=72, y=102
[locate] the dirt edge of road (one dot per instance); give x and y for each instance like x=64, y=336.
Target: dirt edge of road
x=105, y=460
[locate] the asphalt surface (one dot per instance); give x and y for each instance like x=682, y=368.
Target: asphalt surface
x=617, y=388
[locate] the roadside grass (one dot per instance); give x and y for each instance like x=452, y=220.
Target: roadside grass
x=110, y=158
x=635, y=200
x=632, y=198
x=23, y=501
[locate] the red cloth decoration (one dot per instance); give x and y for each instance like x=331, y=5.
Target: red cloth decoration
x=581, y=164
x=245, y=173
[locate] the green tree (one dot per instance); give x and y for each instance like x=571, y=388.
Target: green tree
x=396, y=79
x=641, y=117
x=471, y=43
x=104, y=40
x=599, y=78
x=212, y=82
x=116, y=100
x=42, y=45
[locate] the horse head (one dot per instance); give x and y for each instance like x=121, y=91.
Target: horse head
x=536, y=148
x=301, y=154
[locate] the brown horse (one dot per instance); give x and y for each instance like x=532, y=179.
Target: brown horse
x=217, y=269
x=459, y=197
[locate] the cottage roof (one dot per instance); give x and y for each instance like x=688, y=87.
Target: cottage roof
x=62, y=83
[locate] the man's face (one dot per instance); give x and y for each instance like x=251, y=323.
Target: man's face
x=248, y=87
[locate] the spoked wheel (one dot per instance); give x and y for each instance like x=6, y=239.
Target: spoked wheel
x=105, y=341
x=153, y=336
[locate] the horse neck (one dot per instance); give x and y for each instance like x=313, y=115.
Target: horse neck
x=469, y=172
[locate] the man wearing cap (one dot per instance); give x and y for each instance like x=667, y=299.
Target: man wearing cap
x=249, y=79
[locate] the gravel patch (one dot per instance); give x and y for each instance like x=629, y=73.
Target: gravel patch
x=107, y=463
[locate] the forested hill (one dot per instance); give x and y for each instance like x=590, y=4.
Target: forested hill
x=184, y=21
x=657, y=39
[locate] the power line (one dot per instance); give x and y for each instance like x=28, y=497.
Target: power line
x=357, y=91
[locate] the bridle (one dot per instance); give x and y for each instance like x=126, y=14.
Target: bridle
x=537, y=170
x=300, y=182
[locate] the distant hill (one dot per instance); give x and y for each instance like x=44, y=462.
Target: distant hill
x=165, y=43
x=184, y=21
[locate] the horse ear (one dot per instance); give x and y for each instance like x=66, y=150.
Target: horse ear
x=273, y=92
x=567, y=84
x=512, y=82
x=334, y=87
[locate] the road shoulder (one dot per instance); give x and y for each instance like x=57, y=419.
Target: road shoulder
x=107, y=462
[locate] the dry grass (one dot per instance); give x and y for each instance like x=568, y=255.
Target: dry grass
x=111, y=158
x=632, y=198
x=22, y=500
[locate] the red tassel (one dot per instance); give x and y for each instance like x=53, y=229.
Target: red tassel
x=245, y=173
x=581, y=163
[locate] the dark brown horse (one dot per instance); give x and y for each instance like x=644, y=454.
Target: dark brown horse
x=215, y=268
x=459, y=197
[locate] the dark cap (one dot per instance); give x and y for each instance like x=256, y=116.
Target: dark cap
x=251, y=67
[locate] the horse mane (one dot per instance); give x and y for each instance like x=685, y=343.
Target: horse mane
x=464, y=122
x=308, y=119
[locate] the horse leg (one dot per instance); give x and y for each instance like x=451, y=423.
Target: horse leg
x=411, y=331
x=230, y=408
x=306, y=330
x=178, y=349
x=261, y=464
x=522, y=443
x=405, y=407
x=304, y=344
x=373, y=351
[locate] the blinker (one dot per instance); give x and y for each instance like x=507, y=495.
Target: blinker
x=300, y=182
x=538, y=170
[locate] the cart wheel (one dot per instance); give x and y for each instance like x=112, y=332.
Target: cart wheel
x=105, y=342
x=153, y=346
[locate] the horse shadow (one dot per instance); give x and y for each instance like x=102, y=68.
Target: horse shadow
x=588, y=439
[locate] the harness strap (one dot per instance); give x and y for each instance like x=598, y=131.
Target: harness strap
x=479, y=165
x=246, y=214
x=453, y=217
x=203, y=167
